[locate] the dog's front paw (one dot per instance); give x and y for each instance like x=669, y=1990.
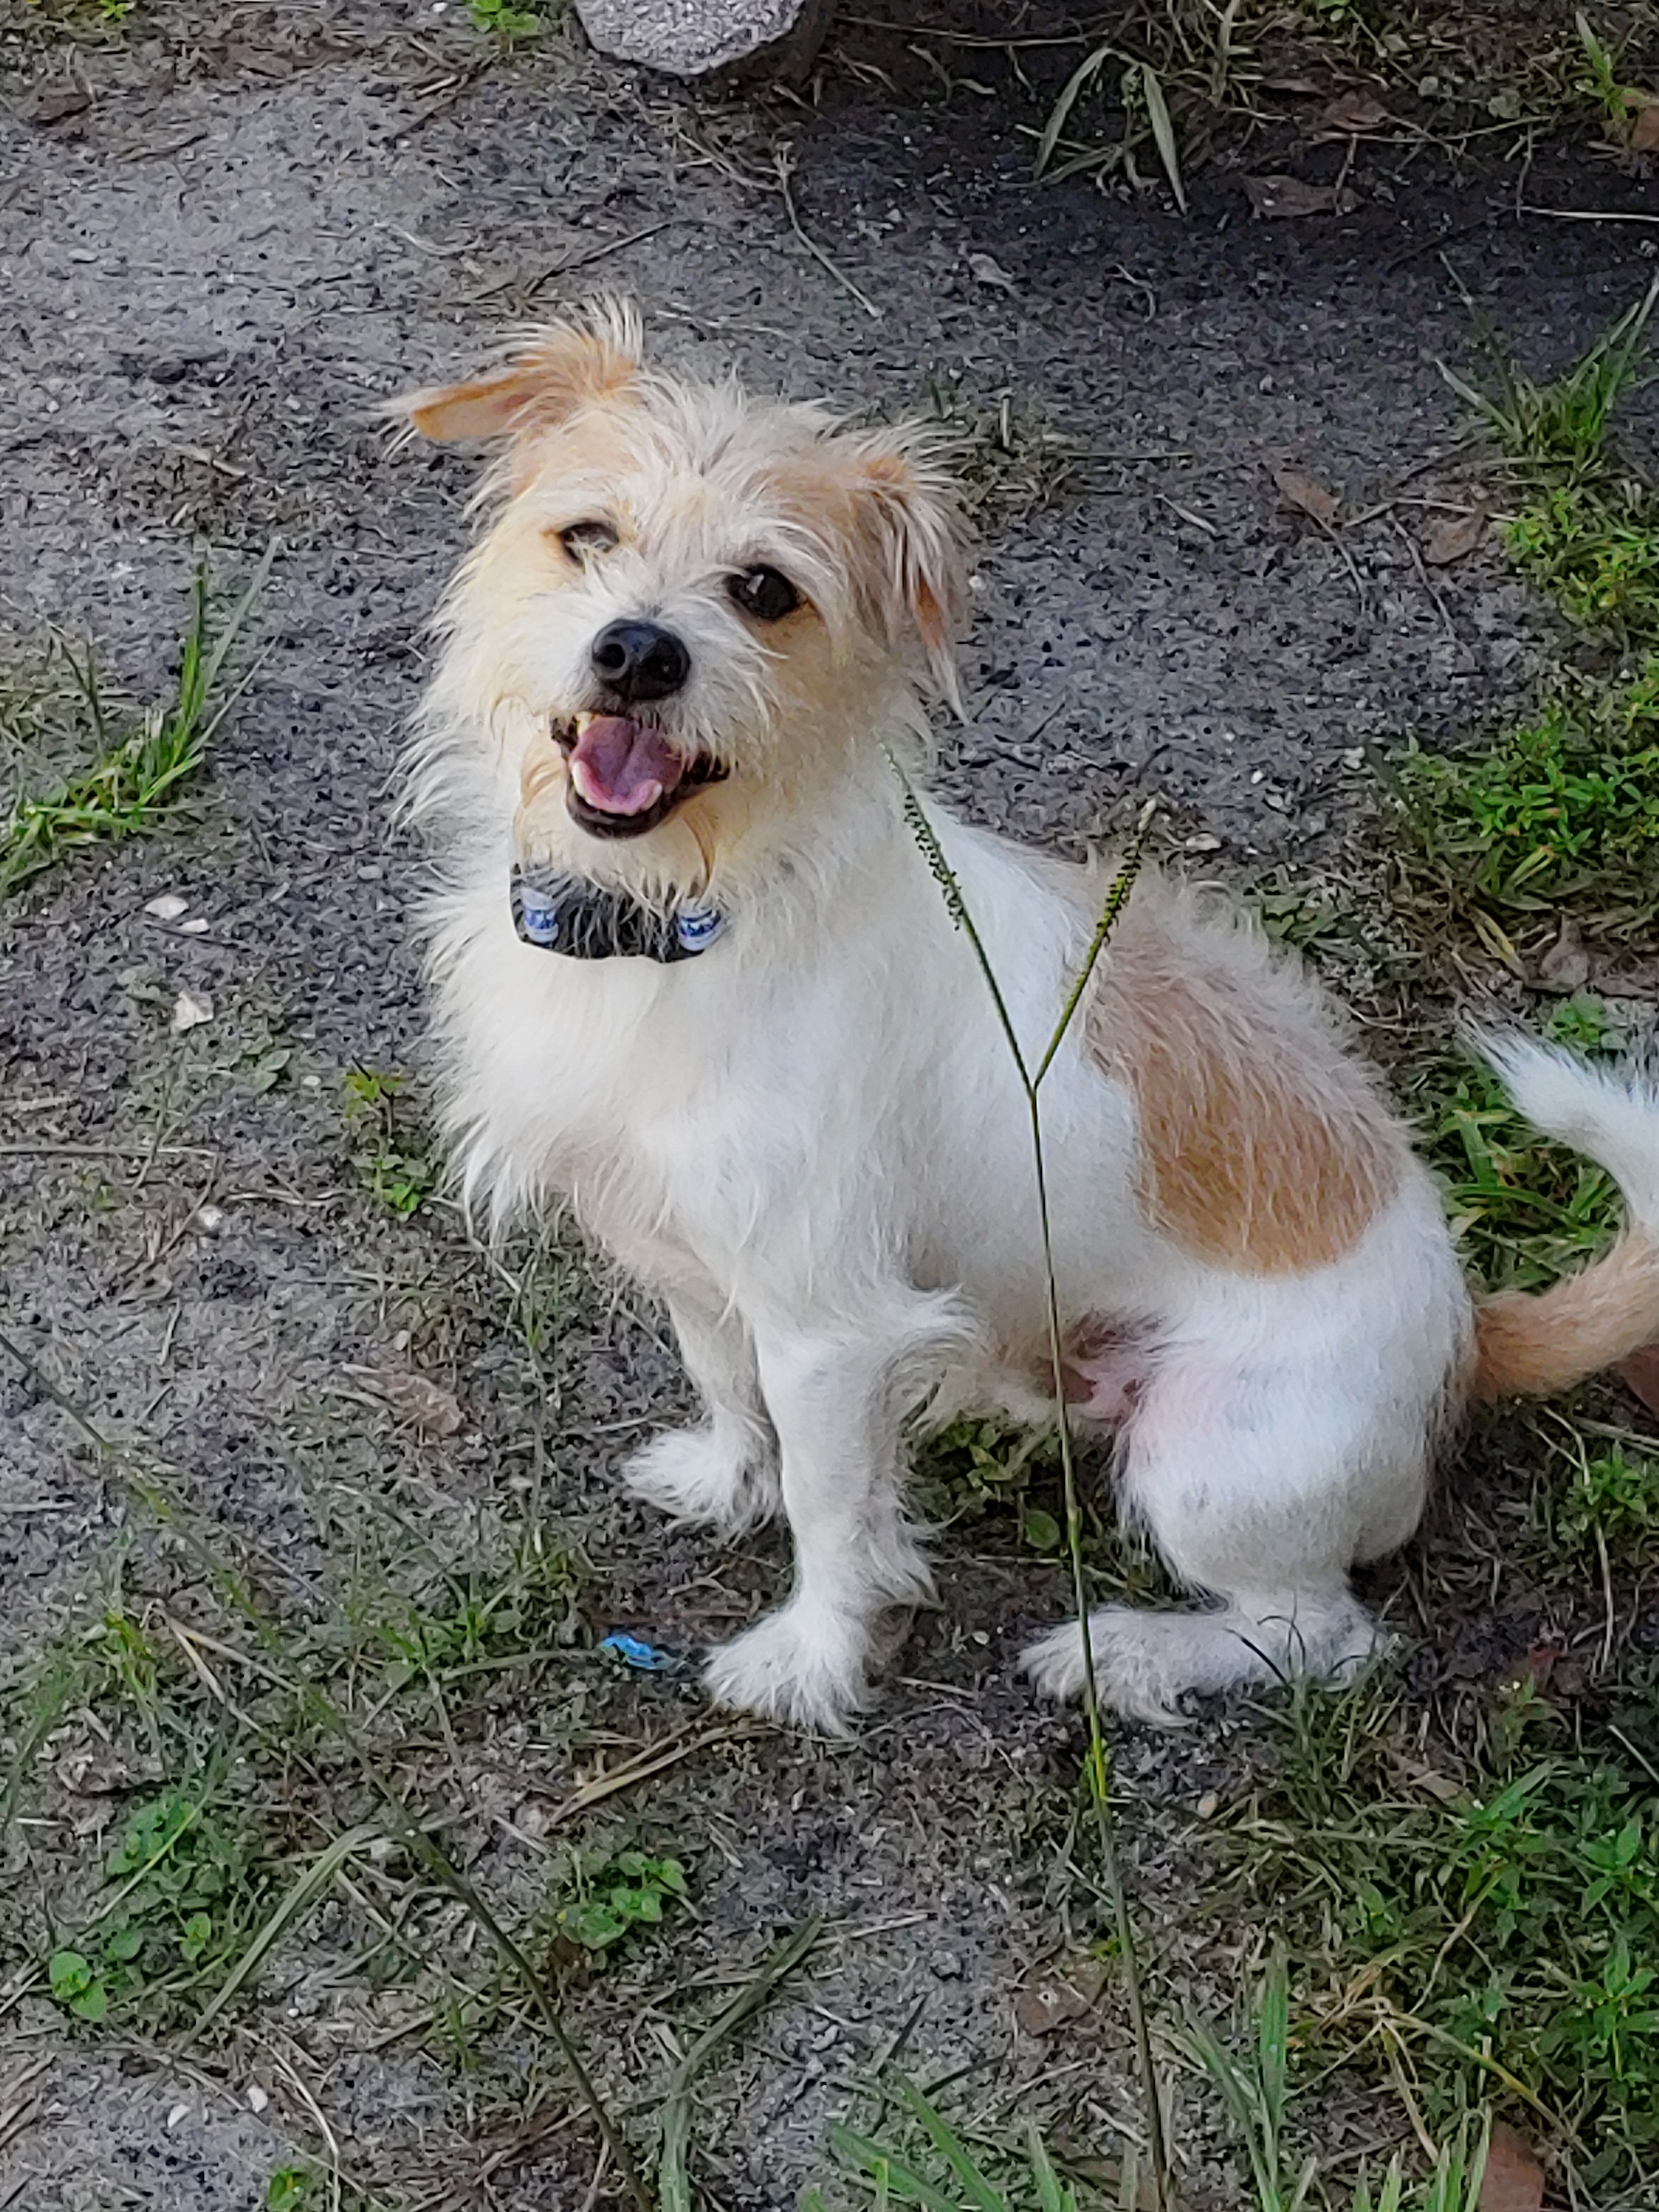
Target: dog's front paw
x=803, y=1668
x=703, y=1474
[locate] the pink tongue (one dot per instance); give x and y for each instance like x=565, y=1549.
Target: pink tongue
x=622, y=768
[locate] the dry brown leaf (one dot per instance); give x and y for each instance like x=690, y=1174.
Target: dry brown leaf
x=1046, y=2005
x=1431, y=1780
x=1644, y=131
x=1454, y=538
x=59, y=107
x=1271, y=197
x=1307, y=495
x=986, y=268
x=415, y=1398
x=1352, y=113
x=1639, y=980
x=1497, y=940
x=1640, y=1373
x=260, y=61
x=1537, y=1670
x=1514, y=2180
x=1566, y=967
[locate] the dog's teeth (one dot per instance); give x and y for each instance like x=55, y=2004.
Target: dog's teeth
x=580, y=722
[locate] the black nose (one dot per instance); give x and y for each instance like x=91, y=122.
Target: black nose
x=640, y=660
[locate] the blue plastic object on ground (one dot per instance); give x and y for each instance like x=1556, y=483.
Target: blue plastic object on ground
x=645, y=1658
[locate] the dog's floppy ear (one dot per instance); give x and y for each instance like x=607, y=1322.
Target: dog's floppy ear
x=913, y=549
x=552, y=373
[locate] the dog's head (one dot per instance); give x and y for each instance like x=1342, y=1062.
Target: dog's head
x=701, y=601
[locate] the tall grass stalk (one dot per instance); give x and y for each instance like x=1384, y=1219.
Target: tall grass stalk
x=1031, y=1080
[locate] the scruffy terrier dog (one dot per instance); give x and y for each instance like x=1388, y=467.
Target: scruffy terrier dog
x=724, y=1011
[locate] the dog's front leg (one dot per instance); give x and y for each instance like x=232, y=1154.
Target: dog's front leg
x=837, y=1397
x=723, y=1469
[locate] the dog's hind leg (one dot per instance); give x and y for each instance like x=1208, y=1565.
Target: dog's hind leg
x=837, y=1395
x=1262, y=1468
x=724, y=1469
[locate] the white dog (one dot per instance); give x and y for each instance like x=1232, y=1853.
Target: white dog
x=726, y=1013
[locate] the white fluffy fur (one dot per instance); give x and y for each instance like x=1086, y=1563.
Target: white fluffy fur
x=809, y=1142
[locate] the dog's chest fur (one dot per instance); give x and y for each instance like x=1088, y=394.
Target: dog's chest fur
x=828, y=1078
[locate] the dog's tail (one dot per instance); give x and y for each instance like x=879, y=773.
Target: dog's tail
x=1530, y=1344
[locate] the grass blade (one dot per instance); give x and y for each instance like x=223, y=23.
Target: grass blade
x=1071, y=93
x=1164, y=136
x=673, y=2170
x=1051, y=2196
x=891, y=2175
x=980, y=2197
x=313, y=1880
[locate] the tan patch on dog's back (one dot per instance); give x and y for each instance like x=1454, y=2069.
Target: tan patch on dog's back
x=1262, y=1148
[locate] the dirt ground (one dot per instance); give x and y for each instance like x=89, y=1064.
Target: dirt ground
x=224, y=236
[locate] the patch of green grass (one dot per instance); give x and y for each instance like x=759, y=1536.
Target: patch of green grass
x=74, y=15
x=1560, y=428
x=1493, y=1922
x=1596, y=552
x=400, y=1176
x=920, y=2158
x=132, y=786
x=1563, y=810
x=1254, y=2086
x=1523, y=1210
x=472, y=1622
x=181, y=1891
x=1602, y=84
x=930, y=2164
x=981, y=1465
x=1609, y=1505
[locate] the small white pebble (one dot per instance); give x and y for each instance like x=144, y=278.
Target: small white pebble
x=311, y=1083
x=210, y=1219
x=179, y=2112
x=1208, y=1806
x=190, y=1012
x=196, y=926
x=168, y=906
x=257, y=2098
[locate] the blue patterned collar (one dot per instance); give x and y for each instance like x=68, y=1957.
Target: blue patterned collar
x=568, y=914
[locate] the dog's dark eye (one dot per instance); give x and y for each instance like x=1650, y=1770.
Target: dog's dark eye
x=764, y=594
x=580, y=539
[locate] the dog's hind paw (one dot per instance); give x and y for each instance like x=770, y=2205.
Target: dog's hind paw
x=1125, y=1681
x=705, y=1475
x=1143, y=1662
x=803, y=1668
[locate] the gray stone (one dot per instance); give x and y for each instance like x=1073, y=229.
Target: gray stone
x=699, y=37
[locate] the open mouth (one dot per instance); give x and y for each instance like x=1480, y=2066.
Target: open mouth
x=624, y=776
